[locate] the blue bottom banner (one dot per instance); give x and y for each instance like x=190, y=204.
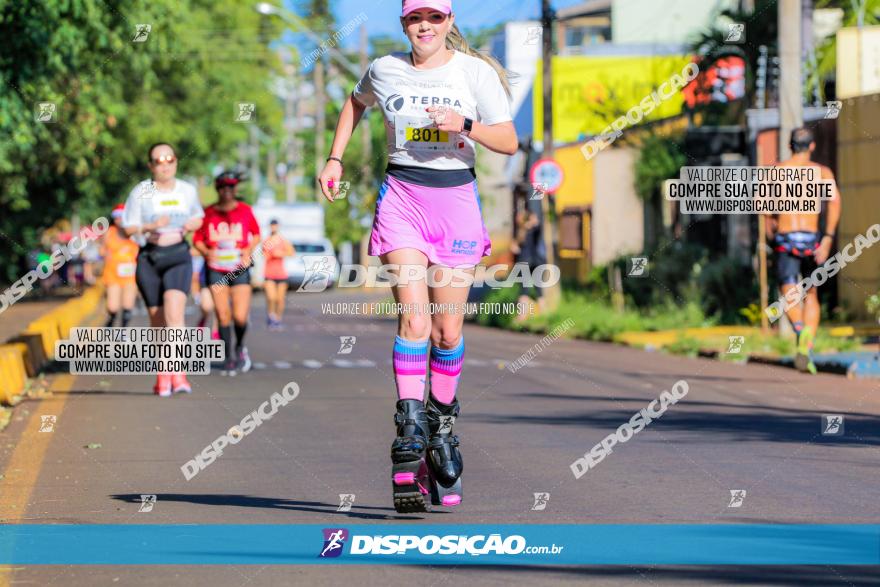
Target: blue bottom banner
x=437, y=544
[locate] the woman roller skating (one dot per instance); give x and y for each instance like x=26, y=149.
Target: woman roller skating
x=438, y=100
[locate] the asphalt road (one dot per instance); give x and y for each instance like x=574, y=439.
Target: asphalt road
x=754, y=428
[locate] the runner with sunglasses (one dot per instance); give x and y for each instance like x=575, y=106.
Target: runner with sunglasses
x=226, y=239
x=163, y=210
x=438, y=101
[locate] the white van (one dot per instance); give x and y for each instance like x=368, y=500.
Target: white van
x=303, y=225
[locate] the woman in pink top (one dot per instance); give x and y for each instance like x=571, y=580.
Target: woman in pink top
x=275, y=248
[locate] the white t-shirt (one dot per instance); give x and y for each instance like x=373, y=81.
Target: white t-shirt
x=466, y=84
x=146, y=203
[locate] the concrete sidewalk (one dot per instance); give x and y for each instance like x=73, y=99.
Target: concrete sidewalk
x=16, y=318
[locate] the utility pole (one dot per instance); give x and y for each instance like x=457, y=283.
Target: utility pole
x=290, y=115
x=791, y=114
x=271, y=160
x=255, y=178
x=365, y=122
x=552, y=293
x=320, y=123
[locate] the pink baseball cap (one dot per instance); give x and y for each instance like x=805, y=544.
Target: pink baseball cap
x=444, y=6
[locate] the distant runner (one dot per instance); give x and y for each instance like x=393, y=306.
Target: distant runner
x=800, y=247
x=120, y=261
x=226, y=239
x=275, y=249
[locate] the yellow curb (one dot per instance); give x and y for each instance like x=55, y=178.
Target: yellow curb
x=665, y=337
x=56, y=324
x=13, y=371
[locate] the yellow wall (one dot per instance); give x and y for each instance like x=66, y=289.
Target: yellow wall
x=589, y=93
x=858, y=61
x=858, y=142
x=577, y=185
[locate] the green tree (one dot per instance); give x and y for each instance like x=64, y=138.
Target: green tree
x=660, y=158
x=114, y=96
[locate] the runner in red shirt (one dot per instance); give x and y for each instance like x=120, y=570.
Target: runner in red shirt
x=227, y=238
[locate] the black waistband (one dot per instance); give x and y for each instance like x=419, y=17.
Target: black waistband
x=152, y=246
x=433, y=178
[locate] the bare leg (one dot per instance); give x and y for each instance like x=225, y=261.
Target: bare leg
x=795, y=313
x=279, y=303
x=271, y=290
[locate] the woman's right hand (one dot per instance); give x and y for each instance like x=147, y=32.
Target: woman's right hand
x=332, y=173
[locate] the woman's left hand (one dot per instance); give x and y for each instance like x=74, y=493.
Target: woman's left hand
x=445, y=118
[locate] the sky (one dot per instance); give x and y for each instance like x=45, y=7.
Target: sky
x=383, y=15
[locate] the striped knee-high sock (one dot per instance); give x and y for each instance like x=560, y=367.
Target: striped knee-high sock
x=410, y=368
x=445, y=371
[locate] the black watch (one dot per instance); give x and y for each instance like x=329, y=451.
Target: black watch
x=468, y=125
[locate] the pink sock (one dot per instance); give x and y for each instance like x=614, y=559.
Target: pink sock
x=410, y=368
x=446, y=371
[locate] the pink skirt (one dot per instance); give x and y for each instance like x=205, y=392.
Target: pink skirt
x=446, y=224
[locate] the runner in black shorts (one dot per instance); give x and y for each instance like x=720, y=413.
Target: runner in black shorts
x=226, y=239
x=801, y=246
x=164, y=209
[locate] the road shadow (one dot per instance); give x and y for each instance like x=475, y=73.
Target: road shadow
x=251, y=501
x=103, y=392
x=721, y=422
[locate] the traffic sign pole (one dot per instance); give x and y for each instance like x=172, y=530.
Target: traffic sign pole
x=549, y=174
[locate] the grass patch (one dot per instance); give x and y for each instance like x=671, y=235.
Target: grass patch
x=597, y=320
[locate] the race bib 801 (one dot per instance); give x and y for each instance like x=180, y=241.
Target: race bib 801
x=416, y=133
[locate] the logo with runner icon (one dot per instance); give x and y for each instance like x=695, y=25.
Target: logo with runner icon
x=334, y=540
x=46, y=112
x=638, y=267
x=737, y=496
x=832, y=425
x=141, y=33
x=346, y=344
x=47, y=423
x=245, y=112
x=346, y=500
x=538, y=191
x=832, y=109
x=736, y=33
x=147, y=503
x=317, y=274
x=535, y=33
x=735, y=344
x=541, y=500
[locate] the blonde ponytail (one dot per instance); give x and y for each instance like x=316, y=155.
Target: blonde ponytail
x=455, y=40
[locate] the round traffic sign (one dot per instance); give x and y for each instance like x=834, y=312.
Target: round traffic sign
x=547, y=172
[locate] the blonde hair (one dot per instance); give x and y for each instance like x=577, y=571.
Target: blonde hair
x=455, y=40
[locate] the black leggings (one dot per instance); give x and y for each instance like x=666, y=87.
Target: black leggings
x=155, y=275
